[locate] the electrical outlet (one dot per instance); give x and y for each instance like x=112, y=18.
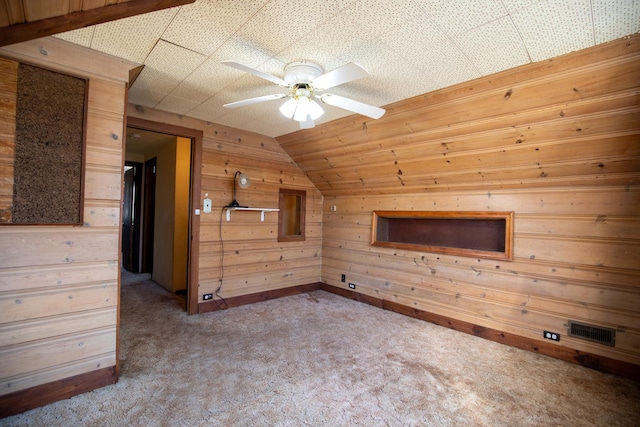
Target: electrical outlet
x=551, y=335
x=334, y=208
x=207, y=297
x=352, y=285
x=344, y=278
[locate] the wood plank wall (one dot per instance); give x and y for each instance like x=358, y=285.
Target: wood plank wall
x=248, y=258
x=557, y=142
x=59, y=284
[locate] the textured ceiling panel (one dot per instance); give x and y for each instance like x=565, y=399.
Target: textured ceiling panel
x=551, y=28
x=281, y=22
x=177, y=105
x=410, y=47
x=459, y=16
x=494, y=46
x=132, y=38
x=206, y=25
x=82, y=36
x=613, y=19
x=433, y=52
x=183, y=61
x=145, y=97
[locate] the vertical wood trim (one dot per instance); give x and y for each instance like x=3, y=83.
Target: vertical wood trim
x=123, y=160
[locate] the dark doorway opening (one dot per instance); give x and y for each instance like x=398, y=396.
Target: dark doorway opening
x=131, y=207
x=149, y=214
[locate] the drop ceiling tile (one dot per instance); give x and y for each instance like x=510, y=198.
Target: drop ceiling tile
x=174, y=61
x=515, y=5
x=206, y=80
x=431, y=51
x=132, y=38
x=272, y=128
x=144, y=97
x=458, y=16
x=493, y=47
x=392, y=79
x=241, y=51
x=210, y=110
x=360, y=23
x=552, y=28
x=273, y=30
x=177, y=105
x=83, y=36
x=615, y=18
x=154, y=80
x=204, y=26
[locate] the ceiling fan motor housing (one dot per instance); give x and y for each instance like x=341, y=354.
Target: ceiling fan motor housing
x=301, y=72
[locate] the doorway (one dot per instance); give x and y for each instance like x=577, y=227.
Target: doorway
x=168, y=227
x=131, y=216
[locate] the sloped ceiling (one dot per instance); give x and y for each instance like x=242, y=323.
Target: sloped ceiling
x=410, y=47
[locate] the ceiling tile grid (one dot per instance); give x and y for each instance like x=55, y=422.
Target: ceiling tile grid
x=174, y=60
x=613, y=19
x=132, y=38
x=494, y=46
x=145, y=97
x=282, y=22
x=177, y=105
x=205, y=25
x=552, y=28
x=410, y=47
x=422, y=43
x=82, y=36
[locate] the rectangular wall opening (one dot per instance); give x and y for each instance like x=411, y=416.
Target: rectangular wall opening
x=474, y=234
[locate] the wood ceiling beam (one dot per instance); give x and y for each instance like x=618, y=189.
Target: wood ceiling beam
x=58, y=24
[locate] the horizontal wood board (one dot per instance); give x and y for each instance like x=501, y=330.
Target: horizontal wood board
x=557, y=142
x=242, y=256
x=59, y=284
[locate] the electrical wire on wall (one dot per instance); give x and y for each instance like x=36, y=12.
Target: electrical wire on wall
x=221, y=280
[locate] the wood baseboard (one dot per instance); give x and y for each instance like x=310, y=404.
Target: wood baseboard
x=589, y=360
x=34, y=397
x=218, y=304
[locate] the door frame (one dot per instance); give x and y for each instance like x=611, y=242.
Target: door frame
x=196, y=137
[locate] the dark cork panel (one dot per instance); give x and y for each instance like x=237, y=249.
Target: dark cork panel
x=48, y=147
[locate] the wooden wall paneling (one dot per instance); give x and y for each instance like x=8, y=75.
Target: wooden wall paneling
x=555, y=142
x=254, y=262
x=33, y=304
x=42, y=328
x=50, y=276
x=35, y=10
x=59, y=284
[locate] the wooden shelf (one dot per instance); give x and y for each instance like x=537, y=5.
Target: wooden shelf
x=262, y=211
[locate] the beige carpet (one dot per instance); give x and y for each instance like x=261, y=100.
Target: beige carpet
x=321, y=360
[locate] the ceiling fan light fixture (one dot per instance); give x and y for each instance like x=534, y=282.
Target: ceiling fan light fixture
x=302, y=109
x=288, y=109
x=315, y=110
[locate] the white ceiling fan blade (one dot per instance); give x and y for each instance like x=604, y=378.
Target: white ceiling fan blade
x=351, y=105
x=269, y=77
x=255, y=100
x=340, y=75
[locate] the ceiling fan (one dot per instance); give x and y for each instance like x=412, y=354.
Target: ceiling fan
x=306, y=81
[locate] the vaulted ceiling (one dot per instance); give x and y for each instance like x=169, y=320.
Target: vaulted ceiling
x=410, y=47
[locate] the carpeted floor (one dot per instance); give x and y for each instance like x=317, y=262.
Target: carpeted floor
x=321, y=360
